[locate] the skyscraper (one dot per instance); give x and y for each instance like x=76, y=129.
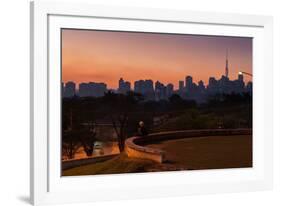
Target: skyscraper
x=240, y=85
x=84, y=90
x=213, y=86
x=69, y=89
x=124, y=87
x=145, y=87
x=170, y=90
x=249, y=87
x=240, y=77
x=201, y=86
x=121, y=83
x=181, y=86
x=92, y=89
x=188, y=83
x=160, y=91
x=97, y=89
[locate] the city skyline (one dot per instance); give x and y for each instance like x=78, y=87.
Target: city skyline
x=156, y=91
x=180, y=81
x=176, y=87
x=104, y=56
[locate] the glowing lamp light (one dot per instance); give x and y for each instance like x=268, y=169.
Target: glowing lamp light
x=246, y=73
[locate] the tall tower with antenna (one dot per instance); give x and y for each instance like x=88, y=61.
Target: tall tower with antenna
x=226, y=64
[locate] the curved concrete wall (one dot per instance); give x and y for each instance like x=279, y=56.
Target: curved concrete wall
x=132, y=149
x=135, y=146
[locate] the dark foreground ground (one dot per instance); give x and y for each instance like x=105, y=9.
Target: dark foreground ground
x=214, y=152
x=209, y=152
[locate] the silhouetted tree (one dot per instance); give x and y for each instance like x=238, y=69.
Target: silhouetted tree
x=88, y=138
x=119, y=107
x=70, y=144
x=78, y=131
x=175, y=99
x=178, y=103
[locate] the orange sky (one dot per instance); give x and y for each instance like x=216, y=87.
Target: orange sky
x=105, y=56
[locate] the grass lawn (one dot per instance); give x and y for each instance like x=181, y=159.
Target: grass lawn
x=119, y=164
x=213, y=152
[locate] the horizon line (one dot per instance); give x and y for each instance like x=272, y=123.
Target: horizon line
x=154, y=81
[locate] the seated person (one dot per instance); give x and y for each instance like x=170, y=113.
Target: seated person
x=141, y=129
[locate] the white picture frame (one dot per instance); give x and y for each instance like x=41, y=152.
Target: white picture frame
x=47, y=186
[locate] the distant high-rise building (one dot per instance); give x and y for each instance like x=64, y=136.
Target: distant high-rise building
x=148, y=87
x=124, y=87
x=181, y=86
x=69, y=89
x=213, y=86
x=249, y=87
x=121, y=82
x=97, y=89
x=145, y=87
x=127, y=86
x=92, y=89
x=188, y=83
x=201, y=86
x=199, y=93
x=138, y=85
x=240, y=77
x=84, y=90
x=225, y=85
x=239, y=85
x=160, y=91
x=170, y=90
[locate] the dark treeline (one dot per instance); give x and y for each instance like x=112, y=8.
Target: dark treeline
x=81, y=116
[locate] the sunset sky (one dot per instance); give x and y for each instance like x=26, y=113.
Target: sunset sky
x=105, y=56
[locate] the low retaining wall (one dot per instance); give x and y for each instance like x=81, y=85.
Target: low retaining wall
x=68, y=164
x=135, y=146
x=137, y=151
